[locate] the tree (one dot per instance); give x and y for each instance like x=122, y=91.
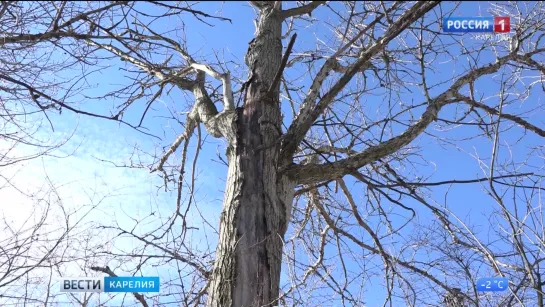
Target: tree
x=385, y=49
x=36, y=242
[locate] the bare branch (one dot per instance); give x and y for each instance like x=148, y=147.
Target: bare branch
x=523, y=123
x=302, y=123
x=195, y=13
x=306, y=174
x=66, y=106
x=109, y=271
x=228, y=101
x=282, y=65
x=304, y=9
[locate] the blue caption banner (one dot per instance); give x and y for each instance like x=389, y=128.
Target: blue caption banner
x=468, y=24
x=492, y=284
x=131, y=284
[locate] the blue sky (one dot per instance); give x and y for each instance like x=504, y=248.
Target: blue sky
x=133, y=193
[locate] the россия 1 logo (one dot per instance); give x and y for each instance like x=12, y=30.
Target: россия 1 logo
x=477, y=24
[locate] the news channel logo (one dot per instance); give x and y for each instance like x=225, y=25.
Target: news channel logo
x=476, y=24
x=109, y=284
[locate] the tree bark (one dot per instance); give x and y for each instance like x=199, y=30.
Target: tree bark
x=257, y=201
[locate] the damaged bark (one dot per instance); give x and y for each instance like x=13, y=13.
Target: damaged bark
x=257, y=201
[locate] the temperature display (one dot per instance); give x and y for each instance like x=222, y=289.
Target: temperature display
x=492, y=284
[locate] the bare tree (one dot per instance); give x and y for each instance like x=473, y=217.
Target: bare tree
x=303, y=132
x=34, y=243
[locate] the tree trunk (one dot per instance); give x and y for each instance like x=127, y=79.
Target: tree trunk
x=257, y=202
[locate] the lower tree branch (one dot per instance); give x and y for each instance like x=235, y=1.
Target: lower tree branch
x=304, y=9
x=218, y=124
x=228, y=100
x=314, y=173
